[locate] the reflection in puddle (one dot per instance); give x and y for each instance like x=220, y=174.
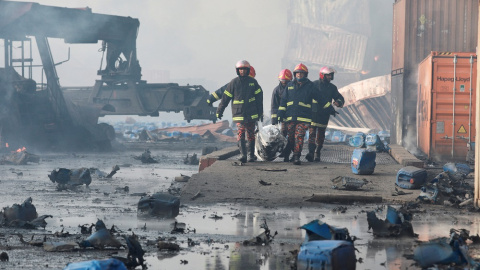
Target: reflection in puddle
x=221, y=240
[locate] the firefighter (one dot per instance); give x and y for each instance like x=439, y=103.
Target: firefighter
x=296, y=110
x=217, y=95
x=321, y=115
x=247, y=108
x=284, y=77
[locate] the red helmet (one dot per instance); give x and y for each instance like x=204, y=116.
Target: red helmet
x=300, y=68
x=326, y=70
x=242, y=64
x=252, y=72
x=285, y=75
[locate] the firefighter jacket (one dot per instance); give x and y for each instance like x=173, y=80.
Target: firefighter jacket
x=276, y=98
x=321, y=115
x=247, y=100
x=217, y=95
x=297, y=100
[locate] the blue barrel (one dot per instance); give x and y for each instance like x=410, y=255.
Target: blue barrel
x=363, y=161
x=112, y=264
x=176, y=133
x=327, y=254
x=411, y=177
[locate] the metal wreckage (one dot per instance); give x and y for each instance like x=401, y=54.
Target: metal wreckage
x=42, y=116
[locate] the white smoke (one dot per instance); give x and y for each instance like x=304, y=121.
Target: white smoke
x=194, y=41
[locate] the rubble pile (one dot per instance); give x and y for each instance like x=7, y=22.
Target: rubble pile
x=19, y=158
x=447, y=188
x=23, y=216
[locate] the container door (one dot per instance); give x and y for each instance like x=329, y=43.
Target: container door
x=453, y=106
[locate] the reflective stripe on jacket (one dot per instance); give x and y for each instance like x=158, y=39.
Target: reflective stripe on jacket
x=321, y=114
x=276, y=98
x=247, y=99
x=297, y=100
x=217, y=95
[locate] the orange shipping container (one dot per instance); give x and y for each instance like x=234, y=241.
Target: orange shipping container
x=446, y=105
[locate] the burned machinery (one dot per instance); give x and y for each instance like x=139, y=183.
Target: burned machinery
x=45, y=117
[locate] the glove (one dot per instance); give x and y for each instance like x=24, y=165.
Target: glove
x=274, y=121
x=219, y=116
x=334, y=112
x=209, y=103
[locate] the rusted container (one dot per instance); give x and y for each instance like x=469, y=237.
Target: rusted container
x=419, y=27
x=446, y=105
x=422, y=26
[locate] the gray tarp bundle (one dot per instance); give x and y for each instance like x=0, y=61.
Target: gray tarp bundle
x=160, y=205
x=269, y=142
x=73, y=177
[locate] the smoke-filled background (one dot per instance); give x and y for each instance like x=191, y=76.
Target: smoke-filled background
x=187, y=41
x=199, y=42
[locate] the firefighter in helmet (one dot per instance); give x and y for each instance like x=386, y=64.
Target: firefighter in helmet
x=295, y=110
x=217, y=95
x=284, y=77
x=321, y=115
x=247, y=108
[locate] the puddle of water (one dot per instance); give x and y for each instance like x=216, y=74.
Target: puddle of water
x=244, y=222
x=220, y=240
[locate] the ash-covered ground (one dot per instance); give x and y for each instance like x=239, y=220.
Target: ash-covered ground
x=212, y=235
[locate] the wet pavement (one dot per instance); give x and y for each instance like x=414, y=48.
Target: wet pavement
x=218, y=240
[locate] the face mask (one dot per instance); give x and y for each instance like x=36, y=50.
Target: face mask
x=302, y=80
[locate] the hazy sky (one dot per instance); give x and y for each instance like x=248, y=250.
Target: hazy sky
x=198, y=42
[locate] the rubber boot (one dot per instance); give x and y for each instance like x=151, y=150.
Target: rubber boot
x=317, y=154
x=251, y=152
x=242, y=145
x=286, y=152
x=311, y=151
x=296, y=159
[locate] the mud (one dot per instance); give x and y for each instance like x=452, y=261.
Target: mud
x=216, y=229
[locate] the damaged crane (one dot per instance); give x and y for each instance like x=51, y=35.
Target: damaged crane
x=44, y=117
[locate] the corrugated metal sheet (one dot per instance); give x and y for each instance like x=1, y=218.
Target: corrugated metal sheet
x=326, y=45
x=422, y=26
x=351, y=15
x=367, y=104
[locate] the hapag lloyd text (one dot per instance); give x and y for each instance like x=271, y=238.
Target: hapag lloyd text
x=450, y=79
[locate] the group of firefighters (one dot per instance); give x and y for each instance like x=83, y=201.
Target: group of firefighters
x=297, y=102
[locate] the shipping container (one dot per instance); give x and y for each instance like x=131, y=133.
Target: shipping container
x=422, y=26
x=419, y=27
x=446, y=105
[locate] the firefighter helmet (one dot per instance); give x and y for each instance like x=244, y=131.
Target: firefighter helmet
x=326, y=70
x=285, y=75
x=252, y=72
x=300, y=68
x=242, y=64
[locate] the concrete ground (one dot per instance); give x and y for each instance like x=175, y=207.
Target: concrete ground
x=278, y=183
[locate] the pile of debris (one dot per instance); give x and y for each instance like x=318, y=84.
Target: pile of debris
x=449, y=187
x=21, y=157
x=23, y=216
